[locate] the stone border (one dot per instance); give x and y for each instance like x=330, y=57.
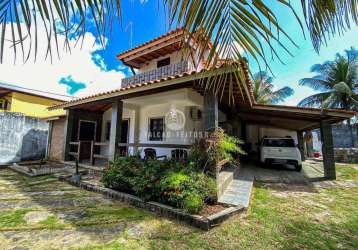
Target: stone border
x=37, y=172
x=202, y=222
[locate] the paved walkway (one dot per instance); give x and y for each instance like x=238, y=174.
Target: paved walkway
x=43, y=213
x=239, y=190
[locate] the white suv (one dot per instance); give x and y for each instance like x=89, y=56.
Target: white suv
x=274, y=150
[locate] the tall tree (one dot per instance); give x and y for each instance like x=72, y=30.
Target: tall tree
x=264, y=92
x=337, y=84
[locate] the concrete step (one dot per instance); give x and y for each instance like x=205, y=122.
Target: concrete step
x=238, y=191
x=225, y=178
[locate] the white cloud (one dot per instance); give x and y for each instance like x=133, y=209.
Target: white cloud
x=44, y=75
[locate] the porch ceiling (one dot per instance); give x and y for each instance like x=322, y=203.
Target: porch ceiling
x=291, y=118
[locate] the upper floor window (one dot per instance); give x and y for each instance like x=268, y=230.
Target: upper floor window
x=163, y=62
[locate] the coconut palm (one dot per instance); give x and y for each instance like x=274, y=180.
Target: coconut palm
x=264, y=92
x=337, y=83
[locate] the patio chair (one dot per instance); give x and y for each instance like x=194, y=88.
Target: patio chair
x=151, y=153
x=179, y=154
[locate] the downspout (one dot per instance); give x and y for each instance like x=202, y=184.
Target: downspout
x=49, y=140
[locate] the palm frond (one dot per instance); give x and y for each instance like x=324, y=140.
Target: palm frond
x=315, y=100
x=325, y=18
x=21, y=19
x=316, y=83
x=343, y=89
x=281, y=94
x=263, y=89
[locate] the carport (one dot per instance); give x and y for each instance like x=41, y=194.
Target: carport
x=300, y=120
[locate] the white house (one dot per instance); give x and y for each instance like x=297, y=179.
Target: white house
x=167, y=104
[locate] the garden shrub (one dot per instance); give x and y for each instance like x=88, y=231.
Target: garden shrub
x=165, y=181
x=193, y=203
x=120, y=173
x=206, y=152
x=183, y=185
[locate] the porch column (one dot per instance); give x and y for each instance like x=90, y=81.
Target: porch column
x=116, y=124
x=68, y=131
x=327, y=151
x=136, y=128
x=211, y=111
x=301, y=144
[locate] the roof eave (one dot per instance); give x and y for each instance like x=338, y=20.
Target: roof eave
x=143, y=87
x=323, y=112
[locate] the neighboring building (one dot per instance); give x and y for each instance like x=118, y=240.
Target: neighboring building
x=165, y=107
x=23, y=132
x=29, y=102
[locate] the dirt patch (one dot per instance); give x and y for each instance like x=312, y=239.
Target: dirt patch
x=37, y=216
x=211, y=209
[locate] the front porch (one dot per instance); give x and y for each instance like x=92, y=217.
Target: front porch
x=97, y=132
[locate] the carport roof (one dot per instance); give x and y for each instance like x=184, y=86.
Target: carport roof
x=293, y=118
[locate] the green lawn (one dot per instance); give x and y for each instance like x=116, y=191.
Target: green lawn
x=280, y=217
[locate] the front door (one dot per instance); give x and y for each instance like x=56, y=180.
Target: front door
x=124, y=137
x=86, y=134
x=87, y=131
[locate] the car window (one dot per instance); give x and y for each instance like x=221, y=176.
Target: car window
x=286, y=143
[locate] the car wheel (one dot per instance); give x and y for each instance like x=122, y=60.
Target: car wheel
x=298, y=168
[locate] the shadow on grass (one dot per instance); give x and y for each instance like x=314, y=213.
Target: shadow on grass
x=62, y=207
x=305, y=234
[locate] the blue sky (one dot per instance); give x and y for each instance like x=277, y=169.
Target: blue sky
x=150, y=21
x=94, y=69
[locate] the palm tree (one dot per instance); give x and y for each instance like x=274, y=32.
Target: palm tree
x=337, y=83
x=264, y=89
x=232, y=25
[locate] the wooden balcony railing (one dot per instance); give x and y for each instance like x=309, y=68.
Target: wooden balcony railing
x=156, y=74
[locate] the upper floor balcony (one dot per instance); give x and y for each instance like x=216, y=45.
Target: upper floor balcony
x=158, y=73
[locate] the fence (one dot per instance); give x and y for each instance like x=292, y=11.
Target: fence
x=22, y=138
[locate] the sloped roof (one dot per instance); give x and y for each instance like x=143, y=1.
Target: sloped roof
x=179, y=31
x=157, y=47
x=176, y=79
x=35, y=92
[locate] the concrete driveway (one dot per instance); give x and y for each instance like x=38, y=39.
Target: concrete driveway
x=311, y=170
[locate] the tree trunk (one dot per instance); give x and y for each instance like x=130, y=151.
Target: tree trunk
x=350, y=127
x=309, y=143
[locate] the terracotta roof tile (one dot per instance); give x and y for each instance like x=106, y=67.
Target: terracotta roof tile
x=178, y=30
x=136, y=86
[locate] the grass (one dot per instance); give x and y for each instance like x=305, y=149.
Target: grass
x=347, y=172
x=280, y=217
x=13, y=218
